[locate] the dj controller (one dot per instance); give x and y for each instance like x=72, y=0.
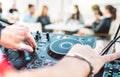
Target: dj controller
x=51, y=48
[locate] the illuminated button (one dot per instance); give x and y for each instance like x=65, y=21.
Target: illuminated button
x=27, y=58
x=110, y=71
x=118, y=72
x=48, y=61
x=109, y=74
x=58, y=37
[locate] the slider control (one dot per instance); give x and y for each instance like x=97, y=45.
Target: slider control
x=48, y=36
x=38, y=36
x=27, y=56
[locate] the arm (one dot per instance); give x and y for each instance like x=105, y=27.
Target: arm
x=81, y=19
x=49, y=22
x=97, y=27
x=70, y=67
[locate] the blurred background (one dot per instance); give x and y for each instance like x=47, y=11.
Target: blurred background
x=76, y=17
x=60, y=9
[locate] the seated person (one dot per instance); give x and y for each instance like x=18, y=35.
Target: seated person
x=29, y=18
x=13, y=15
x=44, y=18
x=104, y=23
x=73, y=20
x=77, y=15
x=1, y=10
x=97, y=14
x=13, y=9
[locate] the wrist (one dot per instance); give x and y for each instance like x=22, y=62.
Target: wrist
x=74, y=66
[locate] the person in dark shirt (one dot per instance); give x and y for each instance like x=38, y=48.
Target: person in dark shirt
x=104, y=23
x=76, y=16
x=97, y=13
x=44, y=18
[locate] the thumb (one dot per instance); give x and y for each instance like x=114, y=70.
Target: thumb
x=23, y=46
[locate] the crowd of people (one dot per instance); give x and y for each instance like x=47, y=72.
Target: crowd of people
x=101, y=24
x=13, y=15
x=103, y=21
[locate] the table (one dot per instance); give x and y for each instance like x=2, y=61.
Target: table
x=62, y=27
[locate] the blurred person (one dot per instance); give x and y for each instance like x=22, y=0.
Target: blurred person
x=44, y=19
x=97, y=13
x=0, y=7
x=76, y=15
x=104, y=23
x=73, y=20
x=13, y=9
x=13, y=14
x=1, y=10
x=96, y=8
x=28, y=17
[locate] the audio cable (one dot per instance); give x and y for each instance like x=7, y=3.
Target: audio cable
x=106, y=49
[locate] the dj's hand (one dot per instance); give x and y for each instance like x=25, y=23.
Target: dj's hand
x=95, y=59
x=13, y=37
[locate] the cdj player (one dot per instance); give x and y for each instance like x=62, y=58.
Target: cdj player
x=51, y=48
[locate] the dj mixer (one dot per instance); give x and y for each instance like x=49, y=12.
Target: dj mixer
x=53, y=47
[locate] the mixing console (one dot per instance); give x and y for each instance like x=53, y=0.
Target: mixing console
x=51, y=48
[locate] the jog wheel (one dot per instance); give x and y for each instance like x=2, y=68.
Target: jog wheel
x=59, y=48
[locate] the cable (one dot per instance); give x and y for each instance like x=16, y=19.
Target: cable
x=109, y=45
x=117, y=32
x=5, y=21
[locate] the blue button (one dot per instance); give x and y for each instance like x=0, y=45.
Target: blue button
x=28, y=58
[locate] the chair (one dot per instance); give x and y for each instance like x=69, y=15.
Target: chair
x=112, y=30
